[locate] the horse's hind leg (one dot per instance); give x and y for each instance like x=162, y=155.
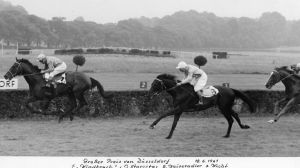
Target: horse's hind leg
x=237, y=118
x=229, y=120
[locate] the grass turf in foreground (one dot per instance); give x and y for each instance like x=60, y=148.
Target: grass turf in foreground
x=131, y=137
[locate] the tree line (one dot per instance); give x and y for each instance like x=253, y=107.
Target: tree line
x=189, y=30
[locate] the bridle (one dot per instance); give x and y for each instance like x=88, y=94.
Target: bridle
x=19, y=66
x=163, y=86
x=275, y=71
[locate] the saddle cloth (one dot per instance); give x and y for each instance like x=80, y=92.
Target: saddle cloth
x=60, y=78
x=209, y=91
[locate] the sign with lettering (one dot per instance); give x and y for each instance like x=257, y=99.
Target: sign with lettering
x=143, y=85
x=8, y=84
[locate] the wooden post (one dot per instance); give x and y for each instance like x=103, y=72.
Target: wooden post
x=2, y=47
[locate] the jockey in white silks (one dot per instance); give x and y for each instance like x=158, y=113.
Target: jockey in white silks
x=53, y=66
x=193, y=75
x=296, y=68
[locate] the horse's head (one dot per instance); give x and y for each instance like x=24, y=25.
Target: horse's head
x=277, y=75
x=162, y=82
x=21, y=67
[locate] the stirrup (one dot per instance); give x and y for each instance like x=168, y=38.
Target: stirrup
x=47, y=84
x=200, y=102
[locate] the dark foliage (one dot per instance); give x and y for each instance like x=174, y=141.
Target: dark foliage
x=182, y=30
x=200, y=60
x=79, y=60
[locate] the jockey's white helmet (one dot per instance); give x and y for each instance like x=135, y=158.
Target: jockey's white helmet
x=181, y=65
x=41, y=57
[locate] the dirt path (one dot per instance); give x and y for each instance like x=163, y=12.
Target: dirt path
x=132, y=137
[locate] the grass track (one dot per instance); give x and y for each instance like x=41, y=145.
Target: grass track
x=132, y=137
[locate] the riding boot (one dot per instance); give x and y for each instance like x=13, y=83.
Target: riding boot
x=200, y=100
x=200, y=97
x=48, y=91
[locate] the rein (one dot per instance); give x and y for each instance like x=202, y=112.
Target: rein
x=284, y=77
x=32, y=74
x=19, y=66
x=165, y=88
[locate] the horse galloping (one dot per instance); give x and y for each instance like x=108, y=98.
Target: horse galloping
x=76, y=84
x=185, y=100
x=291, y=81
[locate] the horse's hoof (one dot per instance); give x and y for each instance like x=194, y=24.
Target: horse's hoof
x=271, y=121
x=168, y=137
x=226, y=136
x=152, y=127
x=71, y=118
x=60, y=119
x=246, y=127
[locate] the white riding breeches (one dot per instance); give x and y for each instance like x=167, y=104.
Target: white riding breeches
x=200, y=83
x=59, y=69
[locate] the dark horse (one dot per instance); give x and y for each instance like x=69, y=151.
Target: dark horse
x=291, y=82
x=76, y=84
x=185, y=100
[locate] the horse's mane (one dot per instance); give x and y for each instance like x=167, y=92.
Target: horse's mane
x=285, y=68
x=288, y=70
x=26, y=61
x=167, y=76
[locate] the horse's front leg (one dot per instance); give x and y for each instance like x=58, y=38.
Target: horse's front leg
x=46, y=103
x=172, y=112
x=28, y=101
x=276, y=105
x=176, y=118
x=284, y=110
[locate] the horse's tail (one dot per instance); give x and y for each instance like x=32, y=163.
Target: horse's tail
x=100, y=88
x=246, y=99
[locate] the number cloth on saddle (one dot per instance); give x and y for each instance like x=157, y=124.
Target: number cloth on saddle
x=209, y=91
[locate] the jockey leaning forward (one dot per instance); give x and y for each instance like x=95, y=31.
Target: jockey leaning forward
x=193, y=75
x=296, y=68
x=53, y=66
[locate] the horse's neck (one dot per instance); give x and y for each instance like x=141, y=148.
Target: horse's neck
x=170, y=84
x=33, y=78
x=289, y=82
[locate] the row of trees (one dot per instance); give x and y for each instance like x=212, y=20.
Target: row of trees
x=182, y=30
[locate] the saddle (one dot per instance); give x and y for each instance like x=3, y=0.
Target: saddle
x=52, y=84
x=60, y=78
x=209, y=91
